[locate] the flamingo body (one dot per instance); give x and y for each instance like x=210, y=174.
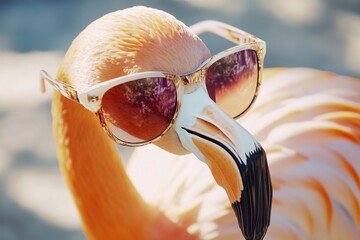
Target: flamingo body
x=312, y=151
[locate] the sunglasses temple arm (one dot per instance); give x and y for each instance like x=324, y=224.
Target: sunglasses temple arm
x=42, y=84
x=65, y=89
x=224, y=30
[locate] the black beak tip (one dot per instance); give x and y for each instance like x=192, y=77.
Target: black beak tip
x=254, y=208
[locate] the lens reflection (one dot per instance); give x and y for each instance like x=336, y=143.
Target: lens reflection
x=140, y=110
x=231, y=81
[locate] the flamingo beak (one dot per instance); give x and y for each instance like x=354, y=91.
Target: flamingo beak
x=236, y=160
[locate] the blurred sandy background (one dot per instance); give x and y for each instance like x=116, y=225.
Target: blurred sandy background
x=34, y=34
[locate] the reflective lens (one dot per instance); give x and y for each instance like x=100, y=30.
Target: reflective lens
x=232, y=81
x=140, y=110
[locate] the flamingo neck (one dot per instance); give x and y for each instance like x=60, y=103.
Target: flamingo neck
x=108, y=203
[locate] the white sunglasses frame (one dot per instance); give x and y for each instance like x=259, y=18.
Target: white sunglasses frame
x=91, y=98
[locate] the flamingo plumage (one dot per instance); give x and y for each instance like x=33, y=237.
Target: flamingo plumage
x=307, y=120
x=310, y=132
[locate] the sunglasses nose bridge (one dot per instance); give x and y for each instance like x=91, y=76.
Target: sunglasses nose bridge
x=193, y=80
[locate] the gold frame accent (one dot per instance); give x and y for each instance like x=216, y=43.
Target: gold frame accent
x=92, y=97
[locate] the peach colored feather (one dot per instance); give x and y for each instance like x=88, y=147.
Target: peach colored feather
x=313, y=157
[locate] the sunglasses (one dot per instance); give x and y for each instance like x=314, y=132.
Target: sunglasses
x=138, y=109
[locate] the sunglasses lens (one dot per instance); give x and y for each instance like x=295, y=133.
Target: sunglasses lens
x=141, y=110
x=232, y=81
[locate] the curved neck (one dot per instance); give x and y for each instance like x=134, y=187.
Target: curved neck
x=109, y=205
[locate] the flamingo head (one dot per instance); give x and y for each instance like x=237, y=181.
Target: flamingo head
x=142, y=39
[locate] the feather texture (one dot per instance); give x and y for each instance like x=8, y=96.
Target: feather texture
x=309, y=124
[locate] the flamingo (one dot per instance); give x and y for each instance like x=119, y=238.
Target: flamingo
x=307, y=121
